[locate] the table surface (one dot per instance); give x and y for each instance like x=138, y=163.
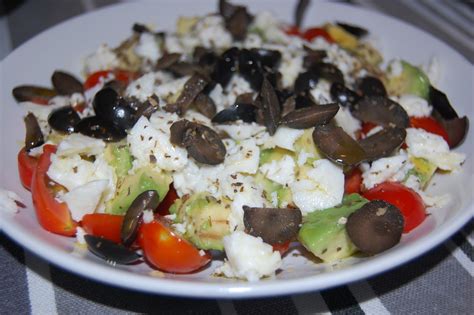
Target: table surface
x=439, y=282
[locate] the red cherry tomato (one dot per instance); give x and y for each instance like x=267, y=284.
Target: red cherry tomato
x=429, y=124
x=407, y=200
x=282, y=248
x=103, y=225
x=26, y=167
x=292, y=30
x=353, y=181
x=53, y=216
x=167, y=251
x=121, y=75
x=314, y=32
x=164, y=207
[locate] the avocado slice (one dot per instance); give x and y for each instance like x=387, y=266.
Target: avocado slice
x=274, y=154
x=324, y=236
x=119, y=157
x=205, y=218
x=423, y=169
x=305, y=143
x=145, y=178
x=412, y=80
x=283, y=193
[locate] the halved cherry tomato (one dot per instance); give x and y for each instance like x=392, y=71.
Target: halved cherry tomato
x=120, y=75
x=407, y=200
x=103, y=225
x=429, y=124
x=353, y=181
x=167, y=251
x=164, y=207
x=292, y=30
x=282, y=248
x=53, y=216
x=311, y=33
x=26, y=167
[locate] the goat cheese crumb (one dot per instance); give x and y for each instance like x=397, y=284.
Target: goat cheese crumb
x=319, y=187
x=347, y=122
x=284, y=138
x=77, y=143
x=85, y=199
x=415, y=106
x=103, y=59
x=7, y=201
x=433, y=148
x=248, y=257
x=148, y=216
x=148, y=48
x=80, y=236
x=281, y=171
x=393, y=168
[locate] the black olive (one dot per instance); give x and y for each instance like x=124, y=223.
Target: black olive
x=268, y=57
x=34, y=136
x=66, y=84
x=380, y=111
x=343, y=95
x=306, y=81
x=226, y=66
x=353, y=29
x=98, y=128
x=64, y=119
x=242, y=111
x=111, y=252
x=371, y=86
x=270, y=107
x=250, y=68
x=328, y=71
x=304, y=100
x=308, y=117
x=35, y=94
x=383, y=143
x=110, y=107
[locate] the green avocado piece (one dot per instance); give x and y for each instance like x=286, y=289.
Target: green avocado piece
x=423, y=169
x=145, y=178
x=283, y=193
x=206, y=220
x=323, y=235
x=412, y=80
x=305, y=143
x=274, y=154
x=118, y=156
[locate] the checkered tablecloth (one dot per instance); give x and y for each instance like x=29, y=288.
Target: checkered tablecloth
x=439, y=282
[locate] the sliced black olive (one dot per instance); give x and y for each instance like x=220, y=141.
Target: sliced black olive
x=35, y=94
x=270, y=107
x=237, y=24
x=328, y=71
x=66, y=84
x=201, y=142
x=343, y=95
x=238, y=111
x=441, y=104
x=167, y=60
x=34, y=136
x=250, y=68
x=337, y=145
x=308, y=117
x=353, y=29
x=313, y=57
x=289, y=105
x=192, y=88
x=371, y=86
x=64, y=119
x=245, y=98
x=181, y=69
x=140, y=28
x=383, y=143
x=146, y=108
x=226, y=66
x=147, y=200
x=267, y=57
x=111, y=252
x=273, y=225
x=304, y=100
x=110, y=107
x=300, y=12
x=381, y=111
x=375, y=227
x=98, y=128
x=205, y=105
x=306, y=81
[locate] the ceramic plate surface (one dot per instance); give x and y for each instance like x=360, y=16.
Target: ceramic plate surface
x=64, y=46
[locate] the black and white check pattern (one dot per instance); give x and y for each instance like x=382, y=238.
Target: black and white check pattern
x=439, y=282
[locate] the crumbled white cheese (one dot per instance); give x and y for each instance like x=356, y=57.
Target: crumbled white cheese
x=148, y=48
x=433, y=148
x=103, y=59
x=347, y=122
x=212, y=33
x=248, y=257
x=281, y=171
x=429, y=200
x=85, y=199
x=148, y=216
x=321, y=92
x=303, y=156
x=415, y=106
x=77, y=143
x=252, y=41
x=7, y=201
x=219, y=98
x=242, y=131
x=291, y=66
x=395, y=68
x=236, y=86
x=319, y=188
x=145, y=140
x=197, y=117
x=269, y=27
x=244, y=158
x=394, y=168
x=143, y=87
x=173, y=44
x=284, y=138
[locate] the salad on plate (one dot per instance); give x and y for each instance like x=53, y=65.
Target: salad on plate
x=237, y=135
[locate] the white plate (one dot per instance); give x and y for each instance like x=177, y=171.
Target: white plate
x=63, y=46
